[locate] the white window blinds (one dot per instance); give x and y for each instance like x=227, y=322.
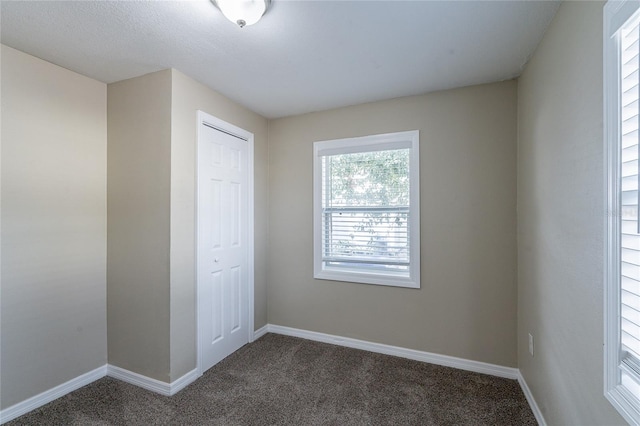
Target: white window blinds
x=629, y=238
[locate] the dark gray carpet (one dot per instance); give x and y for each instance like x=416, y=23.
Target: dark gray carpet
x=279, y=380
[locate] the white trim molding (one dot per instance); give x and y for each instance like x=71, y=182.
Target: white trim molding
x=157, y=386
x=260, y=332
x=531, y=400
x=184, y=381
x=444, y=360
x=432, y=358
x=169, y=389
x=52, y=394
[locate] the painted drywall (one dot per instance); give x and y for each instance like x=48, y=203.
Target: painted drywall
x=151, y=241
x=561, y=205
x=189, y=96
x=54, y=155
x=138, y=175
x=466, y=306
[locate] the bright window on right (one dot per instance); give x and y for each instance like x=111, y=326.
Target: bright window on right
x=622, y=276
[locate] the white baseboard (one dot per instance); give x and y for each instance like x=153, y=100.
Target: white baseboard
x=46, y=397
x=532, y=402
x=157, y=386
x=444, y=360
x=184, y=381
x=260, y=332
x=169, y=389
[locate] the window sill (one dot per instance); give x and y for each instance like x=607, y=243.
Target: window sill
x=364, y=278
x=624, y=403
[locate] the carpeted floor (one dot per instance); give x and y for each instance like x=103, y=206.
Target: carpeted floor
x=279, y=380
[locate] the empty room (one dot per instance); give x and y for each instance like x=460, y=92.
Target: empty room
x=246, y=212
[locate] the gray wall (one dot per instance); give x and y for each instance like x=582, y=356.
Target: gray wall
x=139, y=160
x=561, y=205
x=467, y=304
x=189, y=96
x=54, y=153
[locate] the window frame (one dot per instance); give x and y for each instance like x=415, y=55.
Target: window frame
x=622, y=397
x=398, y=140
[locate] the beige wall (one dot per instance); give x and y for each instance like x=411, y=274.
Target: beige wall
x=561, y=205
x=54, y=255
x=54, y=141
x=151, y=250
x=189, y=96
x=467, y=304
x=139, y=160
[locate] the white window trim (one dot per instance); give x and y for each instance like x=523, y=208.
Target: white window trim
x=616, y=14
x=409, y=139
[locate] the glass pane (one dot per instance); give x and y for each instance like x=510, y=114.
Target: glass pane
x=378, y=178
x=365, y=202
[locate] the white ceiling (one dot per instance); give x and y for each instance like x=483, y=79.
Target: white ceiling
x=303, y=56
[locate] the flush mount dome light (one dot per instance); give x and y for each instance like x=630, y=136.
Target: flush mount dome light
x=243, y=12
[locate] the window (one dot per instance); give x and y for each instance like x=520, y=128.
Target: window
x=622, y=280
x=367, y=210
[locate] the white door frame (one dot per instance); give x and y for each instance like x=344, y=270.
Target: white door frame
x=205, y=119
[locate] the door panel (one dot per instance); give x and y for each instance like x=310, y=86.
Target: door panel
x=216, y=307
x=222, y=244
x=215, y=224
x=236, y=302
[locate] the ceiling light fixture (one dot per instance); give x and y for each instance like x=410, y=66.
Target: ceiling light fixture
x=243, y=12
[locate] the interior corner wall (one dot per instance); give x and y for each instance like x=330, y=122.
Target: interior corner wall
x=138, y=176
x=189, y=96
x=561, y=220
x=54, y=154
x=466, y=306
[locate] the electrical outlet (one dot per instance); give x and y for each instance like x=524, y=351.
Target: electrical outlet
x=531, y=344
